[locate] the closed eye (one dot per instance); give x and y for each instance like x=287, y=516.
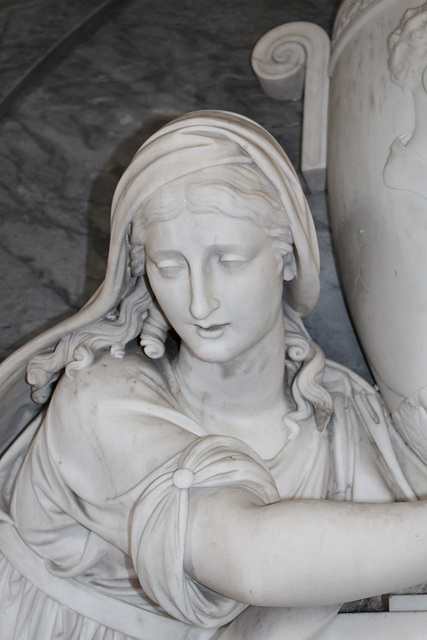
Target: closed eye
x=171, y=269
x=233, y=262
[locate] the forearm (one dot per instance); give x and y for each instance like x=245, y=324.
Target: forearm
x=301, y=553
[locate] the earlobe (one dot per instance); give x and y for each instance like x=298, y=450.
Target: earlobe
x=289, y=267
x=137, y=260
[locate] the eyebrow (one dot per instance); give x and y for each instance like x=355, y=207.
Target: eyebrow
x=229, y=247
x=164, y=253
x=243, y=249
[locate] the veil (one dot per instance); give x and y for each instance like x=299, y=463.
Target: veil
x=187, y=144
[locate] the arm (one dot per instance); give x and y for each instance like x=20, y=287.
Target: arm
x=279, y=554
x=303, y=553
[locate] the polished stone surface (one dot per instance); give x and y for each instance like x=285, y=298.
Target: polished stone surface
x=34, y=33
x=74, y=124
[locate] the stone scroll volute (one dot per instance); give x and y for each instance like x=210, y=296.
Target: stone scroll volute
x=288, y=61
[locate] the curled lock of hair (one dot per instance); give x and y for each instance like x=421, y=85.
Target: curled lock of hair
x=155, y=327
x=407, y=48
x=77, y=351
x=306, y=364
x=153, y=334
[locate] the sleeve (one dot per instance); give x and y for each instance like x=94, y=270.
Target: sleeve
x=366, y=467
x=159, y=524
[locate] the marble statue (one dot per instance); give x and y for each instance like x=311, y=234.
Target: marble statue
x=224, y=480
x=372, y=79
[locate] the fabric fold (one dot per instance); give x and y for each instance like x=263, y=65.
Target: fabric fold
x=159, y=526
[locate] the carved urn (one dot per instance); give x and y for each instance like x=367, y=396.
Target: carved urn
x=372, y=141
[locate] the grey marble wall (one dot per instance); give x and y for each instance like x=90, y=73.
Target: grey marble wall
x=82, y=85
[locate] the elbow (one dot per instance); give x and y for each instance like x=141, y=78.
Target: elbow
x=222, y=549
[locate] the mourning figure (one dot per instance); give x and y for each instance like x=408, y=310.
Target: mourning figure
x=190, y=465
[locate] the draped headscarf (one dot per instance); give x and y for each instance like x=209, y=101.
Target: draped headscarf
x=206, y=139
x=188, y=144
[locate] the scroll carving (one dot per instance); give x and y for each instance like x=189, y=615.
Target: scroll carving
x=289, y=60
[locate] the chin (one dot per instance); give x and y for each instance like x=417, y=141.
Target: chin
x=217, y=353
x=215, y=356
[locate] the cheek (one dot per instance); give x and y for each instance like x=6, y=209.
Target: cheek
x=267, y=284
x=266, y=300
x=169, y=296
x=257, y=301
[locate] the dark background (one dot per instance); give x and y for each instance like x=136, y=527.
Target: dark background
x=82, y=84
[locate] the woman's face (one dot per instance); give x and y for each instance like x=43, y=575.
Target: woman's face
x=218, y=281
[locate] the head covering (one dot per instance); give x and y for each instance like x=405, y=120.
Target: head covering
x=192, y=142
x=207, y=139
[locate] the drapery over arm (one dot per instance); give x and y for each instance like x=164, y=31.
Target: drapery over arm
x=159, y=524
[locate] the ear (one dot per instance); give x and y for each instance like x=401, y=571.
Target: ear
x=289, y=267
x=137, y=260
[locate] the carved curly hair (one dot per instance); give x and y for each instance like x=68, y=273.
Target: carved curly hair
x=407, y=46
x=250, y=196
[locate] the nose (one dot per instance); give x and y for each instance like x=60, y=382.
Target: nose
x=203, y=300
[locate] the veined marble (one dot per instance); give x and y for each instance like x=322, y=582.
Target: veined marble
x=67, y=138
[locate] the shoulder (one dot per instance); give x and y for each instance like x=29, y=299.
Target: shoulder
x=405, y=169
x=357, y=404
x=113, y=423
x=109, y=376
x=341, y=381
x=366, y=466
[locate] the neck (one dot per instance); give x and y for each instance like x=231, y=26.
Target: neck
x=249, y=385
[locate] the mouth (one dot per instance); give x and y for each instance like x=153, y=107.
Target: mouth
x=211, y=331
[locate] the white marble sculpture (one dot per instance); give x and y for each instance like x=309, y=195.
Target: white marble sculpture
x=210, y=490
x=376, y=177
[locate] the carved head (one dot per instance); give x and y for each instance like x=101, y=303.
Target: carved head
x=211, y=162
x=217, y=247
x=226, y=164
x=407, y=47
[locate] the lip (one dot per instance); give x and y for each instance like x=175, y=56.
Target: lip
x=212, y=331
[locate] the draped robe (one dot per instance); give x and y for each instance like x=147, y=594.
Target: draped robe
x=96, y=493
